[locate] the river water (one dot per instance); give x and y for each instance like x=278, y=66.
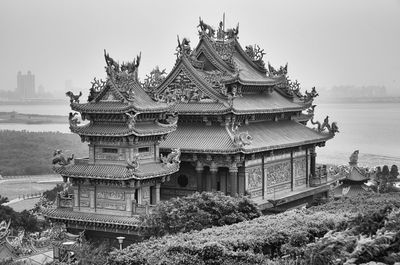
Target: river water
x=372, y=128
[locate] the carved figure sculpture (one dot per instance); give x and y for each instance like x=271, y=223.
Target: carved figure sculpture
x=153, y=80
x=256, y=54
x=183, y=47
x=112, y=65
x=134, y=163
x=72, y=97
x=172, y=158
x=232, y=33
x=332, y=129
x=170, y=120
x=239, y=139
x=281, y=71
x=59, y=158
x=310, y=110
x=73, y=119
x=97, y=86
x=310, y=95
x=206, y=28
x=354, y=158
x=132, y=119
x=130, y=67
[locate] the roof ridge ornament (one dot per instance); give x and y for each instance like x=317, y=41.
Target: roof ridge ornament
x=332, y=128
x=239, y=139
x=206, y=29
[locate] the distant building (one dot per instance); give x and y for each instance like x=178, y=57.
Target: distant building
x=25, y=85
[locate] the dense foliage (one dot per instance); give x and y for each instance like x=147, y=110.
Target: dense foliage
x=290, y=235
x=199, y=211
x=30, y=153
x=19, y=220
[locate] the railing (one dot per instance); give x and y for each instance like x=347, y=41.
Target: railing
x=142, y=209
x=320, y=177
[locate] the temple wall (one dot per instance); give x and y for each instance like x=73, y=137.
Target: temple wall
x=272, y=174
x=111, y=200
x=181, y=183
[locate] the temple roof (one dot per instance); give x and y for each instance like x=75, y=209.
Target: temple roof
x=264, y=103
x=121, y=92
x=117, y=172
x=70, y=215
x=122, y=129
x=269, y=135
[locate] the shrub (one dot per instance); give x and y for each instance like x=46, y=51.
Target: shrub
x=199, y=211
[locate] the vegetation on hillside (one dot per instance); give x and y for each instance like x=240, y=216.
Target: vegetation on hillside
x=30, y=153
x=294, y=237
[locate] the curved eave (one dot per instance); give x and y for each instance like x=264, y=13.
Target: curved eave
x=92, y=218
x=248, y=149
x=139, y=175
x=252, y=83
x=86, y=108
x=266, y=111
x=80, y=130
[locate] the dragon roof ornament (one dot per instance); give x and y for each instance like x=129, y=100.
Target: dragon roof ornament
x=239, y=139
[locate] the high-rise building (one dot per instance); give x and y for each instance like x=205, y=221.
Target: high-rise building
x=25, y=85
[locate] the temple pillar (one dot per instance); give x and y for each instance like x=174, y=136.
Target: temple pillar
x=313, y=155
x=199, y=175
x=128, y=202
x=222, y=182
x=213, y=176
x=92, y=195
x=139, y=195
x=233, y=180
x=157, y=189
x=76, y=197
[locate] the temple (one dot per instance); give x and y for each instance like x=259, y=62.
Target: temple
x=242, y=127
x=241, y=130
x=122, y=176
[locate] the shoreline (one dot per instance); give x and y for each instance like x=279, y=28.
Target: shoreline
x=21, y=118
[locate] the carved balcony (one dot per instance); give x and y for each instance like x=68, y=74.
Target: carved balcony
x=81, y=161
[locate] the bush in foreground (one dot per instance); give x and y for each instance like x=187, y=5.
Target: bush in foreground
x=199, y=211
x=268, y=237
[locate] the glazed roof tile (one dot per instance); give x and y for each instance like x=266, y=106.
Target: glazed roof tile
x=201, y=107
x=264, y=103
x=121, y=129
x=70, y=215
x=117, y=172
x=199, y=138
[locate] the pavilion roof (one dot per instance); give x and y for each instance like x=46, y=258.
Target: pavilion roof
x=121, y=129
x=69, y=215
x=117, y=172
x=267, y=135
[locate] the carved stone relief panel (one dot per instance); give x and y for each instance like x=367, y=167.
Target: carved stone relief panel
x=145, y=194
x=84, y=203
x=110, y=205
x=278, y=173
x=299, y=167
x=254, y=180
x=111, y=195
x=278, y=188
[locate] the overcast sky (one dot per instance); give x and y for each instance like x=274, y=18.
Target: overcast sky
x=327, y=43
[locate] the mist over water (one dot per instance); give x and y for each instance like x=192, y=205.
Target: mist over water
x=372, y=128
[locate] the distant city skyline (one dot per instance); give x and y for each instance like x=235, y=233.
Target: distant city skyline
x=326, y=43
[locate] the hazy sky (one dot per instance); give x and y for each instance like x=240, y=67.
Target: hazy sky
x=330, y=42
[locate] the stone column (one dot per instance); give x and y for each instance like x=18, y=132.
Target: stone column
x=92, y=199
x=128, y=202
x=76, y=197
x=213, y=176
x=158, y=186
x=199, y=176
x=313, y=155
x=233, y=180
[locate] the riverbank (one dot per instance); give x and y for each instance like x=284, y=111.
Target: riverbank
x=20, y=118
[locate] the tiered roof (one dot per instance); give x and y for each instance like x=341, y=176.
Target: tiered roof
x=214, y=65
x=120, y=108
x=266, y=136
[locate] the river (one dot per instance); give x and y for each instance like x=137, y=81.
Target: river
x=372, y=128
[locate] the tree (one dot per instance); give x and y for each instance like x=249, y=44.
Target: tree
x=3, y=200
